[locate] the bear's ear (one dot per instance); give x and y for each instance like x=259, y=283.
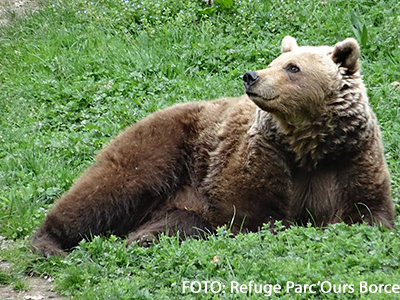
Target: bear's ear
x=288, y=44
x=346, y=54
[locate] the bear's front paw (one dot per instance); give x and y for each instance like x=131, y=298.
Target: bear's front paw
x=49, y=250
x=144, y=239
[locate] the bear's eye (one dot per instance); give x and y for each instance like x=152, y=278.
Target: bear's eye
x=292, y=68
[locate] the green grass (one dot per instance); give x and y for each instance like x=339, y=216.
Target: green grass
x=76, y=73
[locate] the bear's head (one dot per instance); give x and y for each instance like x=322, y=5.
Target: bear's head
x=316, y=97
x=303, y=82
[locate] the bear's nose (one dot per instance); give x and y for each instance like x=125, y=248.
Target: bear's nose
x=249, y=78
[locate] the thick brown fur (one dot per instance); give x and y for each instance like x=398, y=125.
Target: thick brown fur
x=302, y=145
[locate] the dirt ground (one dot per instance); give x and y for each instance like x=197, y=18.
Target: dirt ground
x=17, y=7
x=39, y=288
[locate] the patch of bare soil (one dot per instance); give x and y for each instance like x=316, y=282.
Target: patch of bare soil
x=39, y=288
x=15, y=7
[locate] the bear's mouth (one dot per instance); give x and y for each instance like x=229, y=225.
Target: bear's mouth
x=257, y=97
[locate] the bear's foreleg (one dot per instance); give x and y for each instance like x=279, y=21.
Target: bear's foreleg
x=181, y=223
x=366, y=196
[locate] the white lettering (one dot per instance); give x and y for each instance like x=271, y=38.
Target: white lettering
x=323, y=287
x=363, y=287
x=311, y=288
x=184, y=286
x=250, y=286
x=267, y=289
x=192, y=287
x=373, y=288
x=243, y=288
x=219, y=287
x=234, y=285
x=289, y=285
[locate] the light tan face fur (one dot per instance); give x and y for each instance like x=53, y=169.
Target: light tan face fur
x=302, y=80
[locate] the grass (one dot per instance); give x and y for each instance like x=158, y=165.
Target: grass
x=75, y=73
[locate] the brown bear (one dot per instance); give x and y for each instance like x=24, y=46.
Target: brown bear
x=302, y=145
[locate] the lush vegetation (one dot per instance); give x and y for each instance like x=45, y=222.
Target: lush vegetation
x=75, y=73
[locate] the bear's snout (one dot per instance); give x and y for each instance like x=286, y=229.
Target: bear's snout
x=250, y=78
